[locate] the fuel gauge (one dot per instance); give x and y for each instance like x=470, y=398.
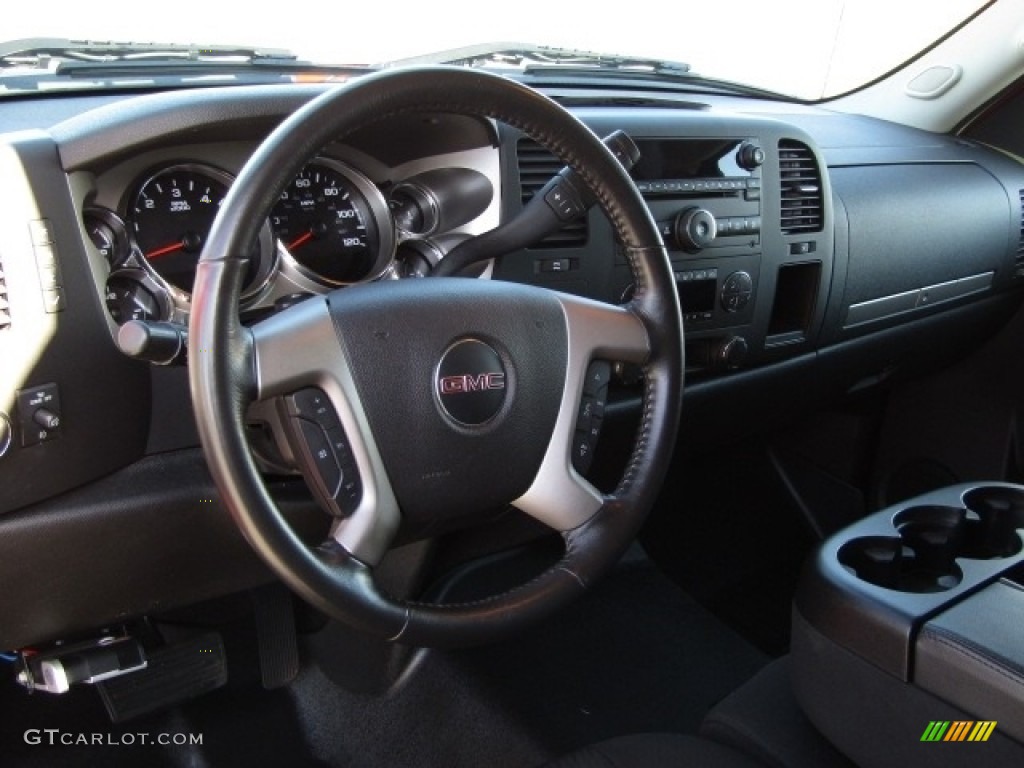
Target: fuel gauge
x=128, y=299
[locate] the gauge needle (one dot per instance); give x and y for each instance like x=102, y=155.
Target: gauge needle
x=300, y=240
x=165, y=250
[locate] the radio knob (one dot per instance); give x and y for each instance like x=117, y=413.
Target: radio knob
x=749, y=156
x=695, y=229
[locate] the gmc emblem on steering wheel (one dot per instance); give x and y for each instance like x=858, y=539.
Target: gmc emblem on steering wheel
x=449, y=385
x=470, y=382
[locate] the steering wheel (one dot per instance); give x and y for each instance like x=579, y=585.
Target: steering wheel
x=436, y=396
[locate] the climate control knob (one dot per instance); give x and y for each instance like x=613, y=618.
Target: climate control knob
x=695, y=229
x=731, y=353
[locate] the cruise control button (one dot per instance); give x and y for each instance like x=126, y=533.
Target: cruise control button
x=322, y=456
x=314, y=405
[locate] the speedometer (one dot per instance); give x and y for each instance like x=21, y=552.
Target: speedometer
x=334, y=224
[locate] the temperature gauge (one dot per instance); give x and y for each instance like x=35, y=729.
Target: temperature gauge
x=106, y=231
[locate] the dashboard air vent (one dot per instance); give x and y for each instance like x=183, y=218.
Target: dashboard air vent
x=801, y=189
x=5, y=306
x=536, y=167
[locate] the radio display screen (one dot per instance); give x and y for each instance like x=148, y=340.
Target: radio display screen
x=662, y=159
x=697, y=295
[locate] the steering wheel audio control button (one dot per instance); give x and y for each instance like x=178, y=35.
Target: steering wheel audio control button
x=350, y=491
x=582, y=451
x=599, y=373
x=591, y=414
x=350, y=494
x=339, y=444
x=321, y=456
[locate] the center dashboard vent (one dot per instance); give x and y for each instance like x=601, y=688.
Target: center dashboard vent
x=801, y=189
x=536, y=167
x=5, y=305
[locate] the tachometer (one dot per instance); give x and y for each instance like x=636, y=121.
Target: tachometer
x=334, y=224
x=171, y=216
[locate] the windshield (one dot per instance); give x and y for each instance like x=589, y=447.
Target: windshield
x=807, y=49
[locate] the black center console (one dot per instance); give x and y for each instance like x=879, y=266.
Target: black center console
x=908, y=634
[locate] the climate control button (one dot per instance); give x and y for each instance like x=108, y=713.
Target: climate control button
x=737, y=289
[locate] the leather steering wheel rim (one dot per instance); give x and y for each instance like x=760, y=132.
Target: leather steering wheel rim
x=225, y=376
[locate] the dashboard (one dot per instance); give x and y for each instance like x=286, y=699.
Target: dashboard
x=816, y=255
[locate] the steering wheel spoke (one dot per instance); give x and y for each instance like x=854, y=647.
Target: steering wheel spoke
x=300, y=365
x=560, y=496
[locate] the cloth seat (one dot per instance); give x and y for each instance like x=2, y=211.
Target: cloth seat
x=655, y=750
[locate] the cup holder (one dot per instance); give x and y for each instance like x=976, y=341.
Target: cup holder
x=921, y=559
x=922, y=556
x=993, y=516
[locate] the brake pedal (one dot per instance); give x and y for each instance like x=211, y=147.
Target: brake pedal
x=175, y=673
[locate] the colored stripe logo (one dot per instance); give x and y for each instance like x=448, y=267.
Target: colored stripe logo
x=959, y=730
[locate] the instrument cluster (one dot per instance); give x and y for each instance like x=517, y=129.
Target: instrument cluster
x=331, y=227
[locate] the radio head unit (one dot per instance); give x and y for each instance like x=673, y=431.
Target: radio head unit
x=689, y=159
x=704, y=193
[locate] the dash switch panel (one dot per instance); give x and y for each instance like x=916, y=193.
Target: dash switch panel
x=39, y=415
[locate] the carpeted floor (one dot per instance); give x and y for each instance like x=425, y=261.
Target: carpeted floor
x=634, y=655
